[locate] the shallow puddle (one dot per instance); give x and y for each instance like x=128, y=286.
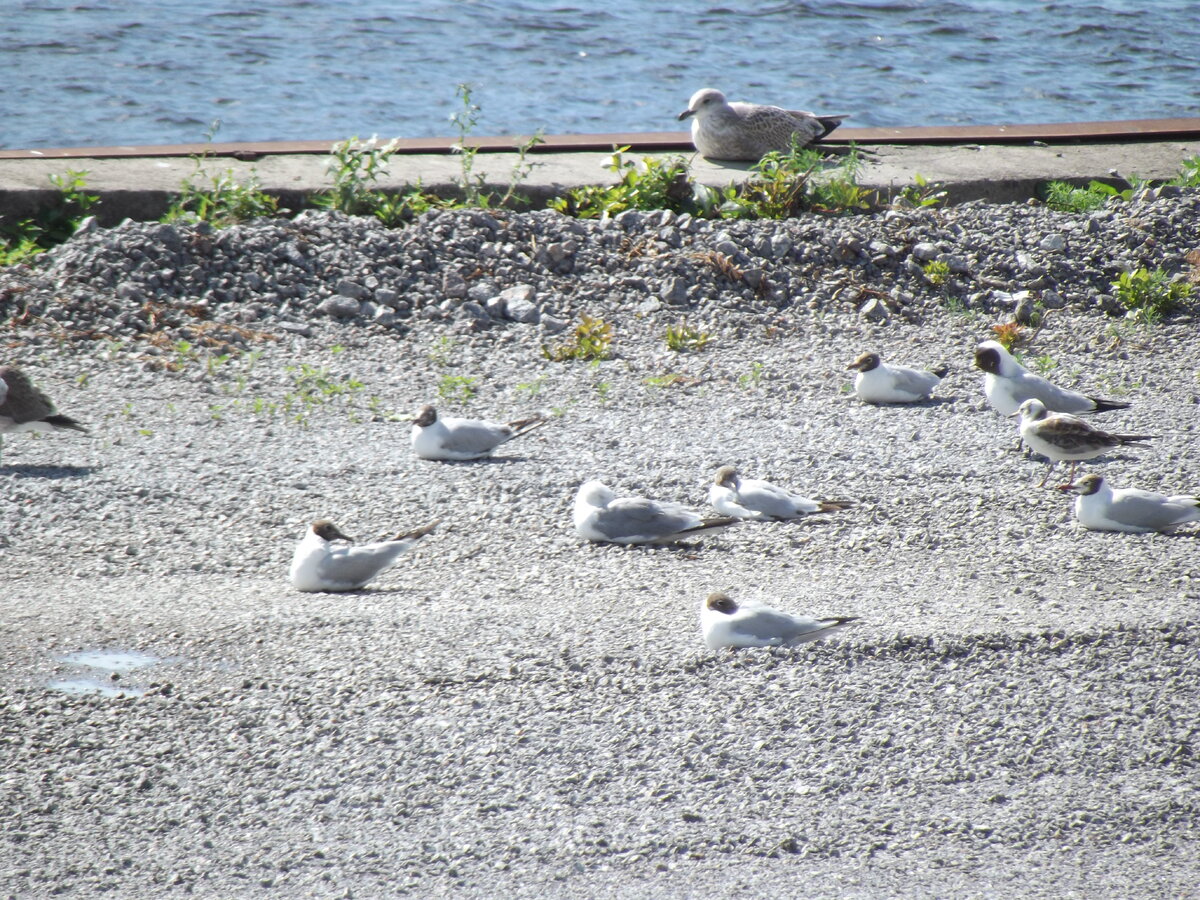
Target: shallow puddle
x=110, y=668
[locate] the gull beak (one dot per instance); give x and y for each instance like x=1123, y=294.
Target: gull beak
x=687, y=112
x=1013, y=415
x=1069, y=486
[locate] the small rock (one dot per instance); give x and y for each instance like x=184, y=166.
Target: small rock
x=874, y=310
x=339, y=307
x=674, y=291
x=1053, y=242
x=552, y=324
x=1053, y=300
x=454, y=285
x=925, y=251
x=351, y=289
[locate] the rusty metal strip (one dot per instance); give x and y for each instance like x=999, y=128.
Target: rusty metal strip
x=650, y=142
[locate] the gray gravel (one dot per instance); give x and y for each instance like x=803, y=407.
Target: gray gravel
x=511, y=712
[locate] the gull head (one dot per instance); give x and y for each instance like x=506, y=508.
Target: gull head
x=327, y=531
x=594, y=493
x=990, y=356
x=702, y=103
x=866, y=362
x=1031, y=410
x=425, y=416
x=1088, y=484
x=722, y=603
x=727, y=476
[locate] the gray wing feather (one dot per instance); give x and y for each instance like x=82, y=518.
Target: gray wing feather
x=914, y=381
x=1057, y=399
x=359, y=564
x=1143, y=509
x=467, y=436
x=780, y=628
x=639, y=517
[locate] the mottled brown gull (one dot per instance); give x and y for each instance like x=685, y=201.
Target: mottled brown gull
x=749, y=131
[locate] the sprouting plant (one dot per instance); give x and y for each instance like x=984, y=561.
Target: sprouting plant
x=784, y=184
x=670, y=379
x=1189, y=173
x=50, y=226
x=1149, y=295
x=313, y=386
x=532, y=388
x=1065, y=197
x=456, y=388
x=219, y=198
x=683, y=337
x=920, y=194
x=464, y=120
x=591, y=340
x=441, y=351
x=1044, y=363
x=603, y=388
x=653, y=183
x=754, y=377
x=1009, y=334
x=937, y=272
x=83, y=378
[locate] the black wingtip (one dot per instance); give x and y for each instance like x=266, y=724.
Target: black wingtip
x=1107, y=405
x=941, y=371
x=65, y=423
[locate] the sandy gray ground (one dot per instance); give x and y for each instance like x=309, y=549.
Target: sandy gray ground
x=512, y=712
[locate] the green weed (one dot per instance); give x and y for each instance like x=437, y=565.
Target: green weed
x=754, y=377
x=456, y=388
x=591, y=340
x=1189, y=173
x=683, y=337
x=919, y=195
x=784, y=184
x=937, y=272
x=355, y=166
x=1044, y=364
x=1149, y=295
x=651, y=184
x=1064, y=197
x=441, y=351
x=49, y=227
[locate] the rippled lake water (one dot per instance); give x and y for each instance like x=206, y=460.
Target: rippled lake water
x=106, y=72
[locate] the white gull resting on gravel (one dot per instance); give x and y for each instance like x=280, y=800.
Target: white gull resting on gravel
x=877, y=382
x=726, y=623
x=1008, y=384
x=600, y=515
x=23, y=407
x=443, y=437
x=321, y=565
x=1060, y=437
x=1102, y=508
x=749, y=498
x=748, y=131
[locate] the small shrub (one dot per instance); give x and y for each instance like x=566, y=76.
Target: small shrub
x=1064, y=197
x=591, y=340
x=355, y=167
x=1149, y=295
x=937, y=272
x=1189, y=173
x=27, y=238
x=456, y=388
x=1009, y=334
x=220, y=199
x=919, y=195
x=683, y=337
x=785, y=184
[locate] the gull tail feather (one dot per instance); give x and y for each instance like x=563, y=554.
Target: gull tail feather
x=716, y=522
x=1107, y=405
x=524, y=426
x=834, y=505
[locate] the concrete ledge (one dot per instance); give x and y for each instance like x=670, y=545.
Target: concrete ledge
x=141, y=187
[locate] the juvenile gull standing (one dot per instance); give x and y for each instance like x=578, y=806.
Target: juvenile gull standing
x=1008, y=384
x=319, y=565
x=24, y=407
x=600, y=515
x=726, y=623
x=877, y=382
x=1102, y=508
x=437, y=437
x=1060, y=436
x=749, y=498
x=748, y=131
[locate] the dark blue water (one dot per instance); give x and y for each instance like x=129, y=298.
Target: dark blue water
x=104, y=72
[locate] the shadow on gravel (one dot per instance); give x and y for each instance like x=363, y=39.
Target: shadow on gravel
x=51, y=472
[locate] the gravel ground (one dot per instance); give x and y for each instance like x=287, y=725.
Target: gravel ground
x=511, y=712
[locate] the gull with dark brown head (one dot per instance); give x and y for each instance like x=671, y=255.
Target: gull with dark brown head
x=1060, y=437
x=320, y=564
x=878, y=382
x=749, y=131
x=450, y=438
x=750, y=498
x=1099, y=507
x=725, y=622
x=1008, y=384
x=24, y=407
x=600, y=515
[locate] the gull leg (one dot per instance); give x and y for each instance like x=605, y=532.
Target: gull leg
x=1042, y=483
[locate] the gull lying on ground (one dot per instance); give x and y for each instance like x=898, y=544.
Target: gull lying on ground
x=24, y=407
x=1102, y=508
x=749, y=498
x=748, y=131
x=436, y=437
x=319, y=565
x=726, y=623
x=600, y=515
x=877, y=382
x=1008, y=384
x=1059, y=436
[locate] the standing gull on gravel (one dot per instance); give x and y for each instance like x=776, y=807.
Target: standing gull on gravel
x=877, y=382
x=600, y=515
x=726, y=623
x=1008, y=384
x=448, y=438
x=748, y=131
x=1102, y=508
x=24, y=407
x=320, y=565
x=1060, y=437
x=749, y=498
